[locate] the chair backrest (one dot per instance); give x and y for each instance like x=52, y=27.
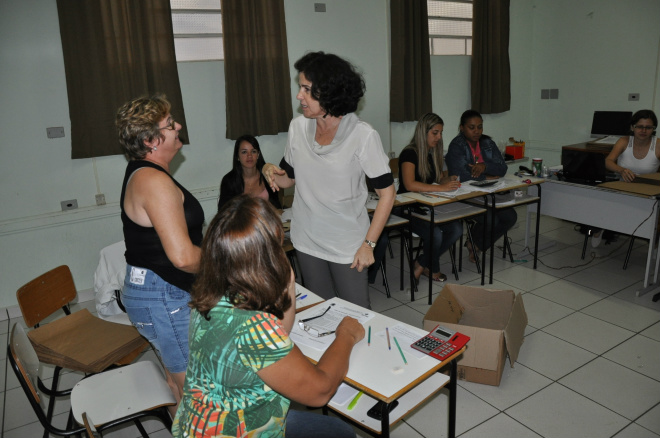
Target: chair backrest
x=46, y=294
x=24, y=361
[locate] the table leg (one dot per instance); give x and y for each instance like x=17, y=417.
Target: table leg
x=430, y=245
x=492, y=238
x=538, y=222
x=385, y=420
x=453, y=376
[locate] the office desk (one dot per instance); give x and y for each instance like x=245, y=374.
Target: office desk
x=511, y=182
x=615, y=210
x=382, y=375
x=434, y=201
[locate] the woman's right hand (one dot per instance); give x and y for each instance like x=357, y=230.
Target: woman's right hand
x=350, y=327
x=269, y=171
x=627, y=175
x=450, y=185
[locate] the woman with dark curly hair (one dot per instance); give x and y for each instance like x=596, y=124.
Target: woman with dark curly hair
x=244, y=369
x=245, y=175
x=328, y=153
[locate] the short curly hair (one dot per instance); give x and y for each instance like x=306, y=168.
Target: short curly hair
x=336, y=84
x=137, y=121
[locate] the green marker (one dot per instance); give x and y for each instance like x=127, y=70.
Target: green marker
x=400, y=351
x=353, y=402
x=369, y=338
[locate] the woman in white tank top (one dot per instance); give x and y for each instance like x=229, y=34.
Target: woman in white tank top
x=639, y=153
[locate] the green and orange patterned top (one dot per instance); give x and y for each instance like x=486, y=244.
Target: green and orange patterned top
x=223, y=396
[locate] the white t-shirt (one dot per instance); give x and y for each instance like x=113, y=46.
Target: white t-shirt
x=329, y=219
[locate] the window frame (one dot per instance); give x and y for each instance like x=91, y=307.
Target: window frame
x=467, y=40
x=183, y=54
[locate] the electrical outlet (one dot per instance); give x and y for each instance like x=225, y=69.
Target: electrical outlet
x=545, y=93
x=56, y=132
x=554, y=93
x=71, y=204
x=633, y=97
x=100, y=199
x=319, y=7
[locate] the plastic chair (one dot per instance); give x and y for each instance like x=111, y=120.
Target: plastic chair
x=42, y=297
x=112, y=398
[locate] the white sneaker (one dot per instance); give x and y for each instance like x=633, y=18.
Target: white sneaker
x=596, y=239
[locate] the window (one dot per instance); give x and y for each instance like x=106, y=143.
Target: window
x=197, y=28
x=450, y=27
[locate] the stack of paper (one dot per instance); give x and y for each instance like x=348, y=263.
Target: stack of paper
x=83, y=342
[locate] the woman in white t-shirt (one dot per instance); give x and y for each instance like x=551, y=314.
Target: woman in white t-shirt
x=329, y=152
x=639, y=153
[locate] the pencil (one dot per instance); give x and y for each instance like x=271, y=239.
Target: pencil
x=400, y=351
x=387, y=330
x=369, y=338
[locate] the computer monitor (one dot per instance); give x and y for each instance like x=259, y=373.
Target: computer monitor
x=610, y=123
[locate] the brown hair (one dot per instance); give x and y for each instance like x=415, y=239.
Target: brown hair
x=137, y=121
x=243, y=260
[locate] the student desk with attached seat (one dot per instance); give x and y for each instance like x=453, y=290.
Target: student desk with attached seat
x=382, y=375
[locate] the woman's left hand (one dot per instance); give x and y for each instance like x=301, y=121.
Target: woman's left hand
x=364, y=257
x=477, y=169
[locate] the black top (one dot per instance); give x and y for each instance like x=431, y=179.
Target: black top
x=228, y=190
x=143, y=246
x=409, y=155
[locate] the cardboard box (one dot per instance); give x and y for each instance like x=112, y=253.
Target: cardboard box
x=495, y=321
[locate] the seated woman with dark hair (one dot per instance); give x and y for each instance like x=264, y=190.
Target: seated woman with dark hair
x=243, y=368
x=245, y=176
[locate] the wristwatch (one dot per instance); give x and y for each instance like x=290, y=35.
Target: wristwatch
x=370, y=243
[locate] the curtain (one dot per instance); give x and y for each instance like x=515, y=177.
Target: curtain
x=491, y=72
x=257, y=80
x=115, y=50
x=410, y=81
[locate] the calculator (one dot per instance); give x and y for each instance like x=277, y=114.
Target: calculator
x=484, y=183
x=441, y=342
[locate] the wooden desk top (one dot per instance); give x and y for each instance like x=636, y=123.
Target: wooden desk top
x=588, y=147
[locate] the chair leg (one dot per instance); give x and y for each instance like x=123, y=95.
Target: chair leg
x=389, y=247
x=476, y=253
x=630, y=247
x=584, y=245
x=452, y=256
x=385, y=282
x=507, y=248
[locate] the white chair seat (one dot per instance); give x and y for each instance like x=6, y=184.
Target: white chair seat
x=120, y=392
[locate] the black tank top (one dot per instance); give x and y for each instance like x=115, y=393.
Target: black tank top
x=143, y=246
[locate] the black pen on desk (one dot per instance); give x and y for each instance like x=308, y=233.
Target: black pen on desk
x=387, y=330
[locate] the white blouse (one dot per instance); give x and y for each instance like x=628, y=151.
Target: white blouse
x=329, y=217
x=648, y=164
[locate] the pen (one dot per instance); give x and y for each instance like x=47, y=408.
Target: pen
x=400, y=351
x=301, y=298
x=387, y=330
x=353, y=402
x=298, y=294
x=369, y=338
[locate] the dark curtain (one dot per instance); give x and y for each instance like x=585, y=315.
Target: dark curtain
x=410, y=82
x=491, y=72
x=115, y=50
x=257, y=80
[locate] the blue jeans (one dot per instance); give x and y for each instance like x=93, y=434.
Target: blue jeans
x=301, y=424
x=159, y=311
x=444, y=236
x=504, y=220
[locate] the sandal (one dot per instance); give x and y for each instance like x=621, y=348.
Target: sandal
x=439, y=276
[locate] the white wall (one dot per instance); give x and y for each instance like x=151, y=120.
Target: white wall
x=553, y=45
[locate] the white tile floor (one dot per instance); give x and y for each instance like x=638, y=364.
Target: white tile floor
x=589, y=367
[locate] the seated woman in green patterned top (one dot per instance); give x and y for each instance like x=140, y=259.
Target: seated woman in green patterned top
x=243, y=368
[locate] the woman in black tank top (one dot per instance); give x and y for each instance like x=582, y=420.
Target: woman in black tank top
x=162, y=224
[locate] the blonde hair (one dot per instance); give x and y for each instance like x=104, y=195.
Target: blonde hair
x=418, y=144
x=137, y=121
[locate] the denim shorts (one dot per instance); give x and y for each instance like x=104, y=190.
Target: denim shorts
x=160, y=313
